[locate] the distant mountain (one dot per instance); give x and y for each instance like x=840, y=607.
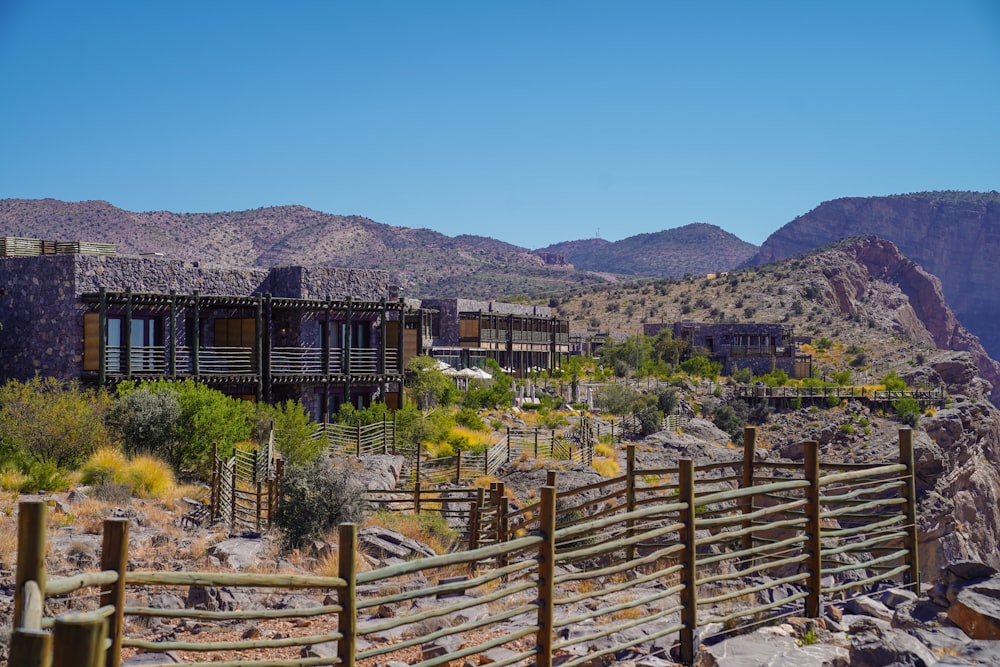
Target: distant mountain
x=954, y=235
x=423, y=262
x=697, y=249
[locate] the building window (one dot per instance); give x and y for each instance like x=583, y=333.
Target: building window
x=146, y=343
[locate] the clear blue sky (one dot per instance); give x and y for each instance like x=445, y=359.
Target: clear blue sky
x=532, y=122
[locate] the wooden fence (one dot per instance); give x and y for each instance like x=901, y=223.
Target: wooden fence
x=648, y=565
x=924, y=397
x=244, y=492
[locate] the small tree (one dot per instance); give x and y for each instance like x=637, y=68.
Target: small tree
x=293, y=433
x=428, y=385
x=616, y=399
x=318, y=495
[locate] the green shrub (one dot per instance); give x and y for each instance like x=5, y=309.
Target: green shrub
x=667, y=400
x=650, y=420
x=147, y=421
x=293, y=432
x=893, y=382
x=616, y=399
x=469, y=418
x=207, y=416
x=45, y=420
x=318, y=495
x=44, y=476
x=701, y=367
x=832, y=401
x=795, y=402
x=908, y=410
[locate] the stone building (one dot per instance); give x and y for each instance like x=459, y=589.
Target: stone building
x=520, y=337
x=759, y=346
x=324, y=336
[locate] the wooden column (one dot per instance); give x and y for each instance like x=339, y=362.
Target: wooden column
x=31, y=527
x=347, y=570
x=630, y=496
x=79, y=641
x=546, y=578
x=912, y=576
x=815, y=561
x=689, y=575
x=114, y=557
x=746, y=503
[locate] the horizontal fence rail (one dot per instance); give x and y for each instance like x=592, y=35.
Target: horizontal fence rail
x=642, y=561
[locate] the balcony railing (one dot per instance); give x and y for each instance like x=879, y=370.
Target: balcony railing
x=285, y=361
x=364, y=361
x=147, y=359
x=218, y=361
x=297, y=361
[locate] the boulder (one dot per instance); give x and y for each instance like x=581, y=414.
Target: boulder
x=873, y=645
x=239, y=553
x=383, y=543
x=767, y=650
x=976, y=609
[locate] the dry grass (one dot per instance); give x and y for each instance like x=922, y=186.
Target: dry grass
x=606, y=467
x=149, y=477
x=427, y=528
x=145, y=476
x=605, y=450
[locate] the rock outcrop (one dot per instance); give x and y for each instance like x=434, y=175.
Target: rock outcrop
x=920, y=313
x=955, y=236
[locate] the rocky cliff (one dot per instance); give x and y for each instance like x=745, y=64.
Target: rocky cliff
x=954, y=235
x=925, y=312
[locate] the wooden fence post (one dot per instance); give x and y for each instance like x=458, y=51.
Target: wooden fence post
x=78, y=641
x=215, y=481
x=536, y=442
x=114, y=556
x=546, y=577
x=347, y=570
x=31, y=528
x=357, y=444
x=508, y=445
x=912, y=576
x=385, y=435
x=815, y=561
x=232, y=499
x=458, y=466
x=394, y=432
x=746, y=503
x=689, y=575
x=475, y=517
x=260, y=502
x=419, y=446
x=30, y=648
x=630, y=497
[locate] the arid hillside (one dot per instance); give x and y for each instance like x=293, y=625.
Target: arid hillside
x=421, y=261
x=697, y=249
x=863, y=296
x=954, y=235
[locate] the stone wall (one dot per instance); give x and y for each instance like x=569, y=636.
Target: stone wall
x=298, y=282
x=42, y=328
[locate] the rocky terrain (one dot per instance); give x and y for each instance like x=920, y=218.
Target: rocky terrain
x=953, y=235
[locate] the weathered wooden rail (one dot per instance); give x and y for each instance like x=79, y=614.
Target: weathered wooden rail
x=646, y=564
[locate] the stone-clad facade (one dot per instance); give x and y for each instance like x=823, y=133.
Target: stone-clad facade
x=45, y=301
x=520, y=337
x=758, y=346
